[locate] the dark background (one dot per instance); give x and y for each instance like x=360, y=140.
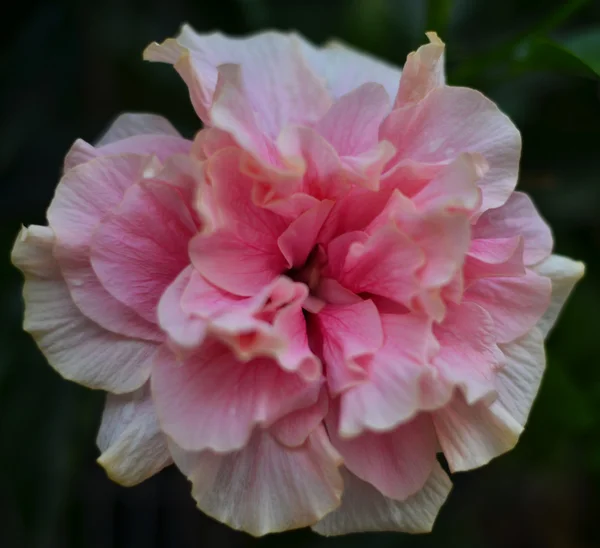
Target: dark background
x=68, y=68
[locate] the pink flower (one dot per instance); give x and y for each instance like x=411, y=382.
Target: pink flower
x=335, y=281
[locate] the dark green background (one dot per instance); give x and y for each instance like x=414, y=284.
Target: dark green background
x=69, y=67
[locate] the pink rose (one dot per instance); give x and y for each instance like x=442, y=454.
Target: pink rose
x=335, y=281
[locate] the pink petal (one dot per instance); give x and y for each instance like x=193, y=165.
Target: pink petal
x=280, y=86
x=266, y=487
x=385, y=264
x=132, y=444
x=131, y=134
x=350, y=334
x=84, y=196
x=345, y=68
x=423, y=72
x=470, y=436
x=452, y=120
x=214, y=401
x=352, y=124
x=497, y=257
x=515, y=304
x=517, y=217
x=76, y=347
x=184, y=329
x=392, y=393
x=140, y=248
x=365, y=509
x=299, y=238
x=235, y=266
x=468, y=356
x=293, y=429
x=397, y=463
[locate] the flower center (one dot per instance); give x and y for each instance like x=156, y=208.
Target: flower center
x=310, y=272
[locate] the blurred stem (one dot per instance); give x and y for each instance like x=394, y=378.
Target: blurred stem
x=504, y=52
x=438, y=15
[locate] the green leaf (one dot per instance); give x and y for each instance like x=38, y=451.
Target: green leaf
x=578, y=56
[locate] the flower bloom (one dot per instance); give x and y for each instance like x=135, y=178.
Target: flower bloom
x=332, y=283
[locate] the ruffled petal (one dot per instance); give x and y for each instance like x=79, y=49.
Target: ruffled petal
x=392, y=393
x=280, y=86
x=517, y=217
x=266, y=487
x=132, y=444
x=76, y=347
x=469, y=355
x=350, y=334
x=213, y=401
x=84, y=196
x=452, y=120
x=140, y=248
x=365, y=509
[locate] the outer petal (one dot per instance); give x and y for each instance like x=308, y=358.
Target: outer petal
x=423, y=72
x=213, y=401
x=139, y=249
x=397, y=463
x=365, y=509
x=563, y=273
x=132, y=444
x=471, y=436
x=85, y=195
x=76, y=347
x=517, y=217
x=281, y=87
x=515, y=304
x=266, y=487
x=451, y=120
x=517, y=383
x=345, y=68
x=131, y=133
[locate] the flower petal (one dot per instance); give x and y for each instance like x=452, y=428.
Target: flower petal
x=423, y=72
x=452, y=120
x=266, y=487
x=469, y=355
x=213, y=401
x=139, y=249
x=391, y=394
x=365, y=509
x=517, y=217
x=563, y=273
x=397, y=462
x=471, y=436
x=349, y=334
x=76, y=347
x=515, y=304
x=517, y=383
x=352, y=124
x=345, y=68
x=132, y=444
x=84, y=196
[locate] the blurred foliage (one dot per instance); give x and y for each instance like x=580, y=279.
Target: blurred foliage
x=69, y=67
